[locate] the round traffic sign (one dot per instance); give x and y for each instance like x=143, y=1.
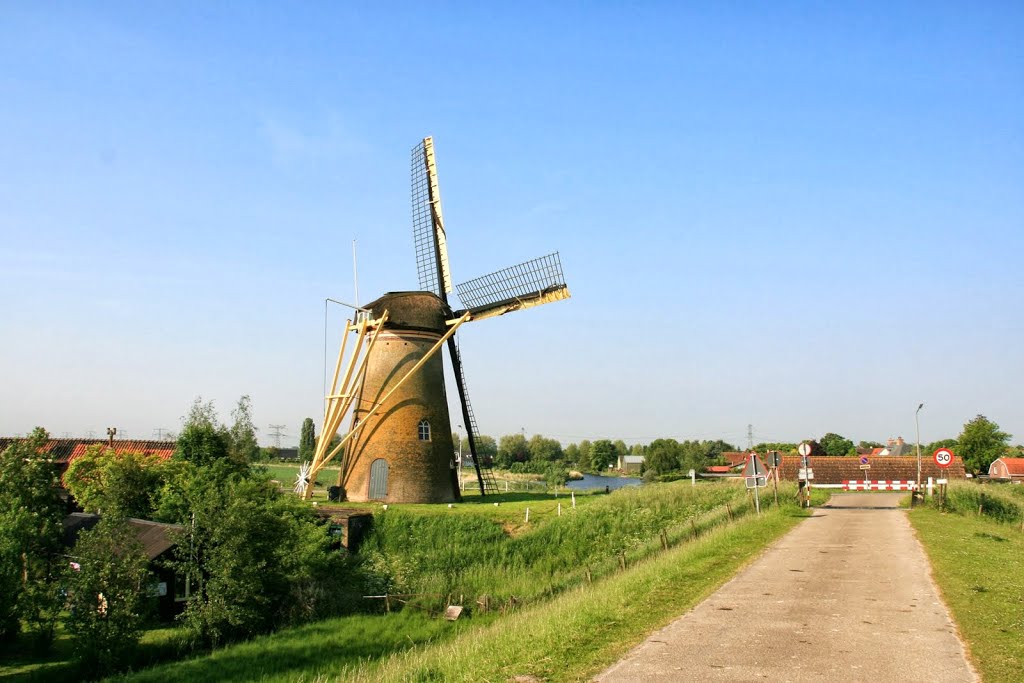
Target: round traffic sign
x=863, y=460
x=805, y=449
x=943, y=457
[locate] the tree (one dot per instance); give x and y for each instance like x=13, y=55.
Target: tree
x=202, y=440
x=107, y=589
x=981, y=442
x=544, y=450
x=835, y=445
x=572, y=453
x=584, y=454
x=307, y=440
x=662, y=456
x=242, y=445
x=602, y=455
x=555, y=474
x=122, y=485
x=512, y=448
x=621, y=448
x=869, y=444
x=941, y=443
x=31, y=537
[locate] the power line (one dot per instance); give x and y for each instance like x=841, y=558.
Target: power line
x=159, y=433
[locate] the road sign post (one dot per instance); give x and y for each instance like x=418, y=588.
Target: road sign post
x=755, y=473
x=804, y=450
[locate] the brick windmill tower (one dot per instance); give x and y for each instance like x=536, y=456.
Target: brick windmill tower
x=391, y=386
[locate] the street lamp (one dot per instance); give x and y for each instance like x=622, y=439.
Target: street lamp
x=917, y=427
x=462, y=484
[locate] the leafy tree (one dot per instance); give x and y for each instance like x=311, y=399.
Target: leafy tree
x=869, y=444
x=107, y=591
x=662, y=456
x=544, y=450
x=486, y=446
x=637, y=449
x=555, y=474
x=780, y=446
x=584, y=458
x=941, y=443
x=119, y=485
x=203, y=440
x=714, y=449
x=307, y=440
x=835, y=445
x=621, y=448
x=242, y=446
x=512, y=448
x=572, y=453
x=980, y=443
x=31, y=536
x=602, y=455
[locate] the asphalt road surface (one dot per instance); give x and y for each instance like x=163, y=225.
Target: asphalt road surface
x=846, y=596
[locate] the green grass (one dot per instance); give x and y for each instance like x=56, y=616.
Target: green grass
x=307, y=652
x=978, y=564
x=999, y=502
x=578, y=634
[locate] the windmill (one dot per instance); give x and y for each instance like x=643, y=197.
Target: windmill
x=398, y=447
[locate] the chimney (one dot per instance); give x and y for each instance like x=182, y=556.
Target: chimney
x=899, y=441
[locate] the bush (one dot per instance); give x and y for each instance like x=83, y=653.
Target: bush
x=107, y=589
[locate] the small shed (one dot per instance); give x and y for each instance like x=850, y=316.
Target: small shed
x=1007, y=469
x=348, y=526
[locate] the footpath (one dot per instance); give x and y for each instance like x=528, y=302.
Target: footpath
x=846, y=596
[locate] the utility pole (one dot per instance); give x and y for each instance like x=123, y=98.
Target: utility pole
x=158, y=433
x=277, y=434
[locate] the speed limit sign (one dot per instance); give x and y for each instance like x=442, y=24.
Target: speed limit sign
x=943, y=457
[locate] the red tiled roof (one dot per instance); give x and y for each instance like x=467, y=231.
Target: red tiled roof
x=718, y=469
x=836, y=470
x=1015, y=466
x=65, y=450
x=735, y=457
x=877, y=451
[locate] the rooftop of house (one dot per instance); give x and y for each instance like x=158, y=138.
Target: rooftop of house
x=1015, y=466
x=153, y=536
x=66, y=450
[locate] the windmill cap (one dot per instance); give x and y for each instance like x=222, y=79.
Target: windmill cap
x=412, y=311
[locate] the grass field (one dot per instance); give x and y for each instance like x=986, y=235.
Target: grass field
x=978, y=564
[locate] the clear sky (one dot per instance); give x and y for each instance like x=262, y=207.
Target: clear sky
x=807, y=217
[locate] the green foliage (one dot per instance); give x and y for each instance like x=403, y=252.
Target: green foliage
x=571, y=453
x=584, y=454
x=544, y=450
x=118, y=485
x=242, y=445
x=662, y=457
x=621, y=448
x=981, y=442
x=307, y=440
x=107, y=596
x=31, y=534
x=834, y=445
x=512, y=448
x=869, y=444
x=780, y=446
x=203, y=440
x=941, y=443
x=253, y=558
x=602, y=455
x=555, y=474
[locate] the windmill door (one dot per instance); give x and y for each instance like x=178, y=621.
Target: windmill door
x=378, y=479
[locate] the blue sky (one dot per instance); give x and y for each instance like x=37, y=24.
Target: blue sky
x=798, y=216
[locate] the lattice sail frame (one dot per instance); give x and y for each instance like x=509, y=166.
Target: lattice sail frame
x=528, y=281
x=427, y=221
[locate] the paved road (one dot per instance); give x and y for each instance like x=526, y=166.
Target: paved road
x=845, y=596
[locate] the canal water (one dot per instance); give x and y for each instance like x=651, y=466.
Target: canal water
x=593, y=481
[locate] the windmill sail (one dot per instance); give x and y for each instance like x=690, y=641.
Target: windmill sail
x=535, y=282
x=428, y=222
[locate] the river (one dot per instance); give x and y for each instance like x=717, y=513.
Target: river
x=593, y=481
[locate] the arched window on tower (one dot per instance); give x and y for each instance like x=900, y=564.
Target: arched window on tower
x=424, y=428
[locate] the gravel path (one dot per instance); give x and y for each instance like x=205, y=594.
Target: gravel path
x=845, y=596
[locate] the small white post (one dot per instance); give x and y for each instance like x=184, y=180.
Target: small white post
x=573, y=500
x=559, y=509
x=506, y=486
x=693, y=477
x=931, y=486
x=527, y=515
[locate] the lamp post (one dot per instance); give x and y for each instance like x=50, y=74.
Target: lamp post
x=462, y=485
x=917, y=427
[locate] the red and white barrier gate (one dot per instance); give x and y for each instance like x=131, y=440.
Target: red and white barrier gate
x=879, y=485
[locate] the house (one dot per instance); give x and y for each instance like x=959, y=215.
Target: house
x=735, y=458
x=63, y=451
x=630, y=463
x=1007, y=469
x=157, y=540
x=718, y=470
x=896, y=447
